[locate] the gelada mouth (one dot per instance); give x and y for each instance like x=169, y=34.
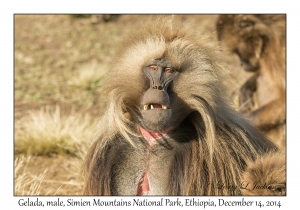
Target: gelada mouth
x=155, y=106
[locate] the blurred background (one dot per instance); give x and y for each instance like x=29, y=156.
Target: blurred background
x=60, y=63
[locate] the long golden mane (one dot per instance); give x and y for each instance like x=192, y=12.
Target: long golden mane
x=225, y=140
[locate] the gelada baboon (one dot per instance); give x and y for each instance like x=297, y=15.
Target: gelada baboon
x=168, y=129
x=265, y=176
x=259, y=41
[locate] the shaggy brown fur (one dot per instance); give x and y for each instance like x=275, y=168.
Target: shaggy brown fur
x=259, y=41
x=265, y=176
x=207, y=143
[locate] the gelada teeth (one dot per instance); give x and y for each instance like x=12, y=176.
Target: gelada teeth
x=146, y=106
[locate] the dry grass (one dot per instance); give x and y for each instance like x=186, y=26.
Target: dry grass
x=89, y=78
x=28, y=182
x=51, y=50
x=47, y=131
x=25, y=182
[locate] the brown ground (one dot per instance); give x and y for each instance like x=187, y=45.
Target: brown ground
x=50, y=48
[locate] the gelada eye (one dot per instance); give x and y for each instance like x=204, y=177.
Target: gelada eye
x=153, y=68
x=169, y=70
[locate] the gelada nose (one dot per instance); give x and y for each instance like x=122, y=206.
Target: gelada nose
x=158, y=87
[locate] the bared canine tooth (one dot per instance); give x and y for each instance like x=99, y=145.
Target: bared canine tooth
x=145, y=106
x=151, y=106
x=163, y=106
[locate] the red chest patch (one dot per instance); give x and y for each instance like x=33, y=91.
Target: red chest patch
x=151, y=136
x=143, y=185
